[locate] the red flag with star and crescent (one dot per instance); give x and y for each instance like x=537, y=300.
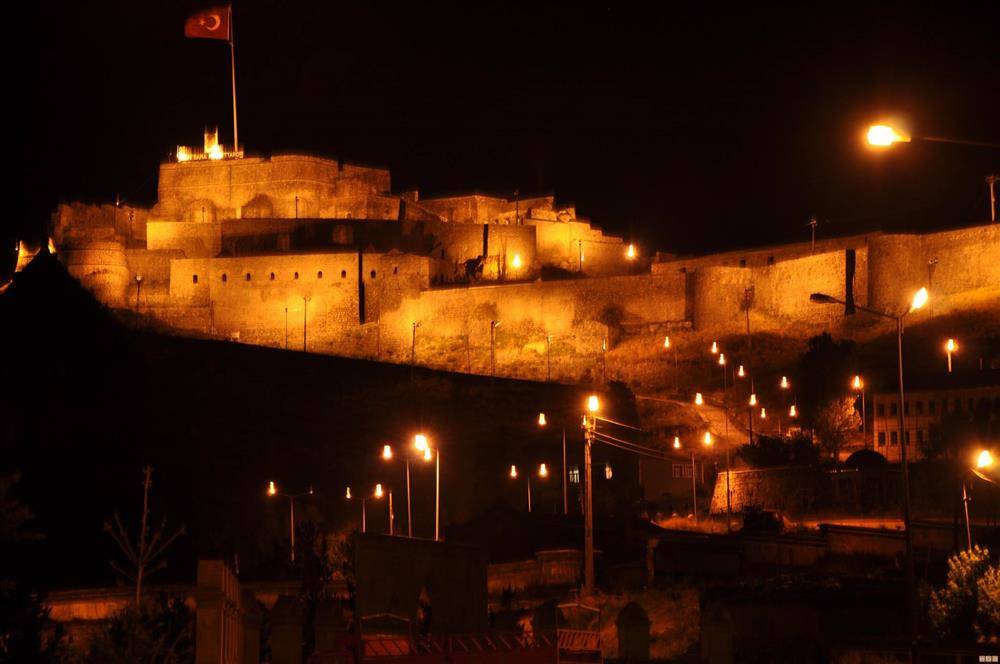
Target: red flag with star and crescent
x=211, y=23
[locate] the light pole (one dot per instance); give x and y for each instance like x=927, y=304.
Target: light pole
x=387, y=456
x=548, y=357
x=542, y=422
x=919, y=300
x=286, y=328
x=694, y=481
x=364, y=515
x=413, y=348
x=984, y=461
x=272, y=490
x=305, y=310
x=725, y=419
x=666, y=346
x=421, y=444
x=858, y=385
x=138, y=287
x=950, y=347
x=784, y=385
x=494, y=324
x=379, y=493
x=589, y=426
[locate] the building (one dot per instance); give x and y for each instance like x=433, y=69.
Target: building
x=922, y=413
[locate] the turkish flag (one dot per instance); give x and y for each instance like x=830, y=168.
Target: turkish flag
x=209, y=24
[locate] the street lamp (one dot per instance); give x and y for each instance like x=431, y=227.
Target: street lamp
x=494, y=324
x=694, y=480
x=950, y=347
x=364, y=509
x=698, y=400
x=543, y=423
x=379, y=494
x=666, y=346
x=715, y=348
x=984, y=461
x=272, y=491
x=858, y=385
x=387, y=456
x=421, y=445
x=919, y=300
x=589, y=427
x=413, y=347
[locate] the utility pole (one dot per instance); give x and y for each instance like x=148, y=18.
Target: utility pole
x=286, y=328
x=413, y=348
x=812, y=226
x=991, y=182
x=138, y=288
x=588, y=519
x=694, y=488
x=548, y=367
x=565, y=495
x=494, y=324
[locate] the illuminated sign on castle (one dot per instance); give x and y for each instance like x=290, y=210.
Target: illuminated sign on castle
x=212, y=149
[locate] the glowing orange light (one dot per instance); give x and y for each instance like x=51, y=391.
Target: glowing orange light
x=420, y=442
x=593, y=404
x=884, y=136
x=543, y=471
x=348, y=495
x=271, y=489
x=541, y=420
x=630, y=253
x=513, y=472
x=516, y=262
x=708, y=438
x=722, y=359
x=386, y=452
x=858, y=383
x=378, y=491
x=215, y=152
x=919, y=299
x=753, y=399
x=784, y=382
x=741, y=373
x=427, y=454
x=984, y=459
x=792, y=412
x=677, y=442
x=951, y=346
x=183, y=153
x=52, y=247
x=715, y=348
x=763, y=413
x=697, y=399
x=666, y=342
x=608, y=473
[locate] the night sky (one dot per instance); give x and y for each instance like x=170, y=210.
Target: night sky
x=683, y=128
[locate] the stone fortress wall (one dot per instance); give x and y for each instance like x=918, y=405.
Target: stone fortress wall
x=323, y=250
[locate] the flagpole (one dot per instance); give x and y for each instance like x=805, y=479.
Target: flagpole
x=232, y=64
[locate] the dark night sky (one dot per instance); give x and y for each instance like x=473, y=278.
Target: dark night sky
x=686, y=128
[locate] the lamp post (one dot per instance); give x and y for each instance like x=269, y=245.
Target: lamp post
x=272, y=490
x=984, y=461
x=858, y=385
x=950, y=347
x=548, y=357
x=919, y=300
x=666, y=346
x=542, y=422
x=494, y=324
x=694, y=480
x=421, y=444
x=589, y=426
x=387, y=456
x=286, y=328
x=305, y=327
x=725, y=420
x=138, y=287
x=413, y=347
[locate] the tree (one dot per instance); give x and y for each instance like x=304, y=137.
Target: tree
x=824, y=373
x=768, y=452
x=968, y=605
x=144, y=556
x=158, y=632
x=834, y=423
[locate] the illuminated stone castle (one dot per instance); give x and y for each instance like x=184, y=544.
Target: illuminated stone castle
x=300, y=251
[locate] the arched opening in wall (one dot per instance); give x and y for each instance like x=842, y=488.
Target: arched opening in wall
x=296, y=275
x=770, y=260
x=372, y=274
x=343, y=274
x=225, y=277
x=194, y=278
x=395, y=269
x=319, y=275
x=743, y=262
x=272, y=276
x=247, y=277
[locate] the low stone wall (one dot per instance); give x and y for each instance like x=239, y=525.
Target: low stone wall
x=786, y=489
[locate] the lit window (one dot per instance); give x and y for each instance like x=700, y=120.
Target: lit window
x=194, y=278
x=574, y=474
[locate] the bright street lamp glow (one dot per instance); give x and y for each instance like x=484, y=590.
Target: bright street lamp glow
x=378, y=491
x=784, y=382
x=708, y=438
x=271, y=489
x=516, y=263
x=386, y=452
x=677, y=442
x=858, y=384
x=722, y=359
x=715, y=348
x=348, y=494
x=666, y=341
x=543, y=471
x=427, y=454
x=984, y=460
x=593, y=404
x=513, y=472
x=697, y=399
x=741, y=373
x=541, y=420
x=792, y=412
x=753, y=399
x=884, y=136
x=630, y=253
x=420, y=442
x=763, y=413
x=951, y=346
x=919, y=299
